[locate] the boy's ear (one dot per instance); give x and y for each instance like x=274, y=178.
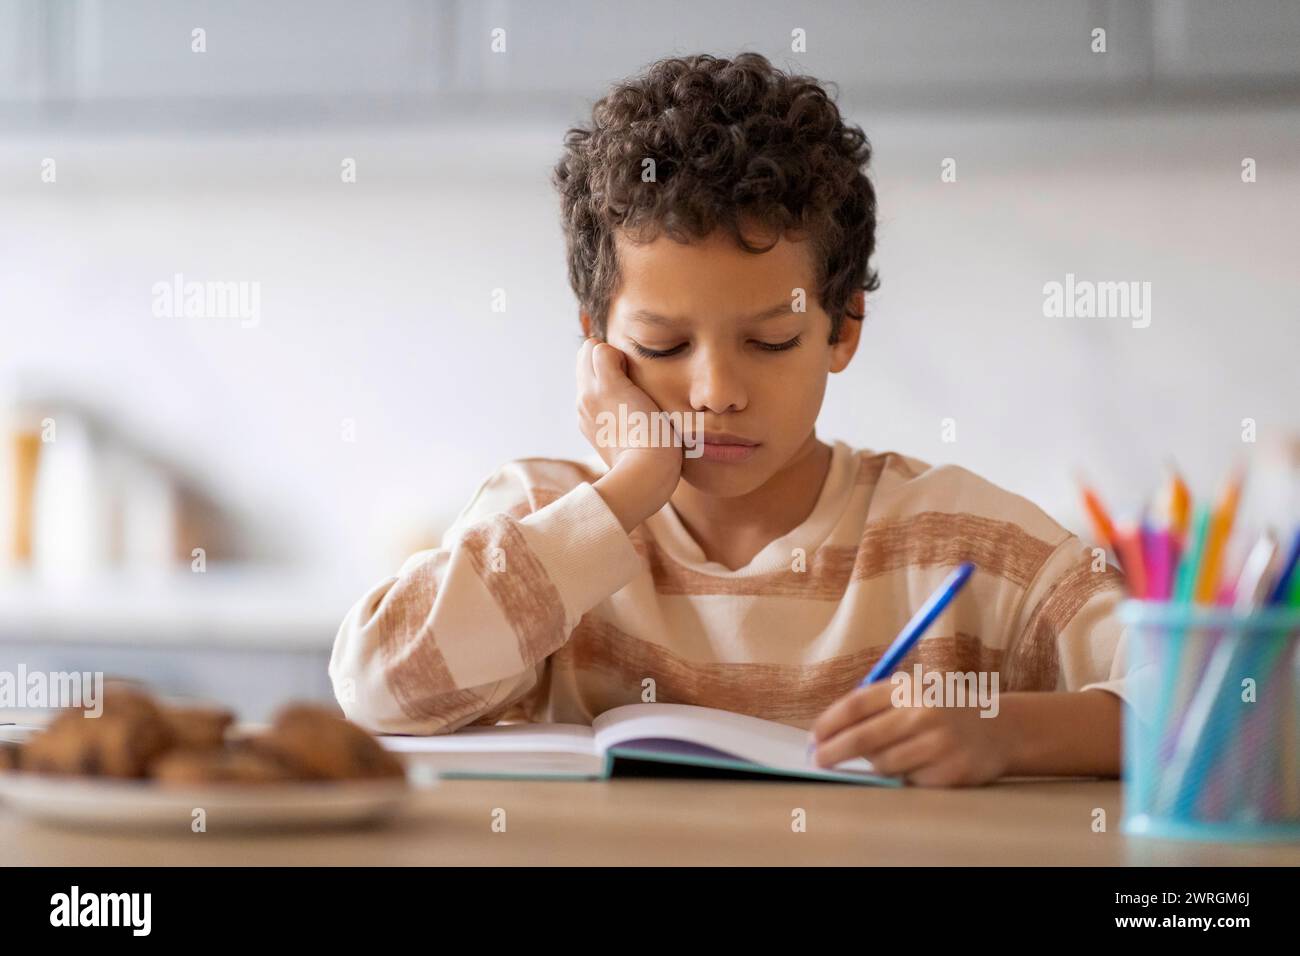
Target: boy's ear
x=850, y=334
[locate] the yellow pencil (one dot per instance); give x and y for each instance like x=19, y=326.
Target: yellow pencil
x=1220, y=528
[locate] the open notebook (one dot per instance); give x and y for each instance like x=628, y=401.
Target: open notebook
x=627, y=740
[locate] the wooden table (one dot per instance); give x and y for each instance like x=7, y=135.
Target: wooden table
x=678, y=822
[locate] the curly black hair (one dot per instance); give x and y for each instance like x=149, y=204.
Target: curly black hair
x=735, y=143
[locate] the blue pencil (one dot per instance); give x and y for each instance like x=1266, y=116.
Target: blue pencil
x=1287, y=572
x=917, y=626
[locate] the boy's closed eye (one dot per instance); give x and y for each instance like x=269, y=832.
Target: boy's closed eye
x=646, y=352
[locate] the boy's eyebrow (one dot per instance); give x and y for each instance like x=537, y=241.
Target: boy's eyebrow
x=654, y=318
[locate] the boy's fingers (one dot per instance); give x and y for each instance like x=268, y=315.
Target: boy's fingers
x=608, y=362
x=940, y=773
x=856, y=705
x=583, y=369
x=872, y=736
x=910, y=754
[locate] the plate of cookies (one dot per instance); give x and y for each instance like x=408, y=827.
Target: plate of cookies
x=144, y=763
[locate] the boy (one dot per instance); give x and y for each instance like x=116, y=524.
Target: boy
x=719, y=224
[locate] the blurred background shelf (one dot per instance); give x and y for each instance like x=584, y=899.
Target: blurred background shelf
x=321, y=62
x=250, y=607
x=247, y=639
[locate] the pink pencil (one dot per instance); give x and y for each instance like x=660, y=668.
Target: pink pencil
x=1156, y=545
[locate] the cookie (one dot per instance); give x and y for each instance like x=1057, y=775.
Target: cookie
x=11, y=755
x=325, y=746
x=198, y=728
x=129, y=734
x=127, y=700
x=237, y=763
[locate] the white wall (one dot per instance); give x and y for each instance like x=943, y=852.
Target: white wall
x=375, y=306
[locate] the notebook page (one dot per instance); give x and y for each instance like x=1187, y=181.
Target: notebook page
x=753, y=739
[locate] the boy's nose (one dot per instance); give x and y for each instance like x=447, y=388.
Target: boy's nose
x=716, y=385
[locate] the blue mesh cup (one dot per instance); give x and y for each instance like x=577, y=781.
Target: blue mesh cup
x=1212, y=739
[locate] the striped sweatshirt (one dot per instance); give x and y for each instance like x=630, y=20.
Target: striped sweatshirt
x=538, y=606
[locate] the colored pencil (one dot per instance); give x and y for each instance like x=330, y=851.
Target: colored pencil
x=1225, y=512
x=1128, y=543
x=1180, y=504
x=1102, y=526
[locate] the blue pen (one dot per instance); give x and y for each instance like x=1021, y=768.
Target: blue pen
x=917, y=626
x=919, y=623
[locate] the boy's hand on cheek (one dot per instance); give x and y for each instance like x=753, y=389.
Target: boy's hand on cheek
x=640, y=479
x=930, y=746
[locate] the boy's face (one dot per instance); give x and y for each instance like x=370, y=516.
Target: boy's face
x=738, y=351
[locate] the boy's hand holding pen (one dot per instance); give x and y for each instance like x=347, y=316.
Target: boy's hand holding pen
x=940, y=746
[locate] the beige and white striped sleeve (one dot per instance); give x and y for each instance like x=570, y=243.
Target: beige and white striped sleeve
x=464, y=629
x=1072, y=622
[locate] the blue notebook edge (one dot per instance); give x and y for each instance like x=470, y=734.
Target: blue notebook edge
x=721, y=763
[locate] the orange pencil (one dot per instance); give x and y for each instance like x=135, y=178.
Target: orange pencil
x=1225, y=512
x=1128, y=542
x=1102, y=526
x=1180, y=504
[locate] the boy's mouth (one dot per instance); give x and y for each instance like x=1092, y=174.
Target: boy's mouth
x=726, y=447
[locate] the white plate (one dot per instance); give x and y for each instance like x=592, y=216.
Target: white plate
x=74, y=801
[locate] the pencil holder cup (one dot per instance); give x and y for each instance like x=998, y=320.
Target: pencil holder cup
x=1212, y=736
